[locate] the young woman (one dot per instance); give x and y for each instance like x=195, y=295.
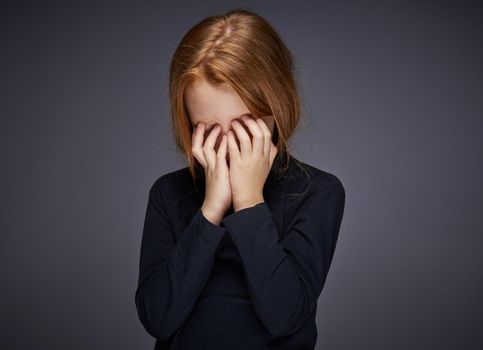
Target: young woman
x=236, y=246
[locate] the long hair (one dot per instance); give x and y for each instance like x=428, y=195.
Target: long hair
x=241, y=50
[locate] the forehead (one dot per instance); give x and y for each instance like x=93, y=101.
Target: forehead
x=209, y=103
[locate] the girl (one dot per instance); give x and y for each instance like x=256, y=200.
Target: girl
x=236, y=246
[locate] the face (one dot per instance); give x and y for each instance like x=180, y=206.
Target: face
x=213, y=105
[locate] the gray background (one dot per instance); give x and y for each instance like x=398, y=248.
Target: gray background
x=392, y=95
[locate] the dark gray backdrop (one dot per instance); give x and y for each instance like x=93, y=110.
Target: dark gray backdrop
x=392, y=95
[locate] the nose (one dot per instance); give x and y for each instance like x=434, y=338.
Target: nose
x=225, y=127
x=219, y=138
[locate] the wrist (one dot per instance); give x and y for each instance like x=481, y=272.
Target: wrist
x=247, y=203
x=211, y=215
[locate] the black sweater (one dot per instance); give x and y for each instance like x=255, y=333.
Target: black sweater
x=250, y=283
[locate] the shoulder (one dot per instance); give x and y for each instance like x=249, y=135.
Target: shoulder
x=171, y=181
x=312, y=181
x=324, y=179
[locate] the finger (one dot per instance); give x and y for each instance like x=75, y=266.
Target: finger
x=267, y=136
x=221, y=154
x=257, y=133
x=233, y=150
x=245, y=142
x=208, y=147
x=197, y=143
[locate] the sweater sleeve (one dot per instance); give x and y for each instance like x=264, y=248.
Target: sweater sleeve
x=286, y=276
x=172, y=274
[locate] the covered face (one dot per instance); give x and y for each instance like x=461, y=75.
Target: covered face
x=220, y=104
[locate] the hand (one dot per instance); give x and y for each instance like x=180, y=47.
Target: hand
x=217, y=181
x=250, y=166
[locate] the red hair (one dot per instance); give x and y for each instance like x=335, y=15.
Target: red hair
x=241, y=50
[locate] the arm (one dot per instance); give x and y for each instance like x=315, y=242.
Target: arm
x=285, y=277
x=172, y=274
